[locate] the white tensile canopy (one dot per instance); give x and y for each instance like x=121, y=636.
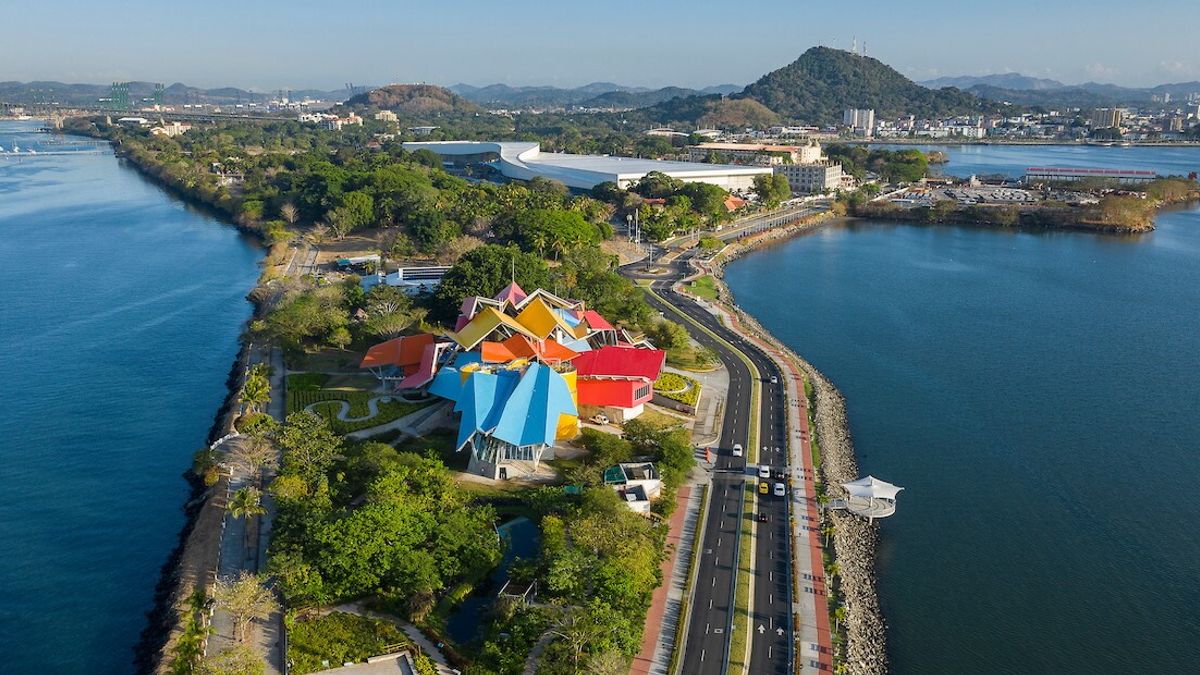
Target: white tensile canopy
x=871, y=487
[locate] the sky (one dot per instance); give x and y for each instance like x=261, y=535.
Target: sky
x=266, y=45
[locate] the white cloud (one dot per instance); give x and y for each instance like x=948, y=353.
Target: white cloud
x=1178, y=68
x=1098, y=71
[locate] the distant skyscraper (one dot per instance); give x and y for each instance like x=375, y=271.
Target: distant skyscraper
x=859, y=121
x=1106, y=118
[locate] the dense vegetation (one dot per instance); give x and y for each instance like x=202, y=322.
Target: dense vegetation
x=823, y=82
x=412, y=99
x=894, y=166
x=321, y=642
x=363, y=520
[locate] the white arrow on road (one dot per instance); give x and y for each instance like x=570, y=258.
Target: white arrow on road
x=779, y=631
x=761, y=628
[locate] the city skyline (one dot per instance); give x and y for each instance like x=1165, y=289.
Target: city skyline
x=271, y=45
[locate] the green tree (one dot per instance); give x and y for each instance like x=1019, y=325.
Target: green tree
x=657, y=184
x=237, y=660
x=484, y=271
x=427, y=158
x=256, y=390
x=246, y=599
x=309, y=446
x=667, y=335
x=772, y=189
x=246, y=504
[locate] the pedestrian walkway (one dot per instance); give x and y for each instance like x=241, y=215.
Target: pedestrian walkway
x=706, y=430
x=662, y=619
x=237, y=552
x=536, y=653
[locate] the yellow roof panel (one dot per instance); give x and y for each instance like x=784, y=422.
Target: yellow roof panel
x=538, y=318
x=483, y=324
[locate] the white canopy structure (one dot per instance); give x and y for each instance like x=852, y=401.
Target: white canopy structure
x=871, y=497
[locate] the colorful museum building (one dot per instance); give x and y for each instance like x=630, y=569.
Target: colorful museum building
x=521, y=369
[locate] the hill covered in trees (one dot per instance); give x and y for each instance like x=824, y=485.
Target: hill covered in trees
x=413, y=99
x=823, y=82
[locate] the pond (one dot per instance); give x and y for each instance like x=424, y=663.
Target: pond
x=522, y=540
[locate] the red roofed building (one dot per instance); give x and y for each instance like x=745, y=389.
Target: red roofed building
x=404, y=362
x=618, y=380
x=403, y=353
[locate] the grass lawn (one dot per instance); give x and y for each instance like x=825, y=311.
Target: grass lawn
x=357, y=398
x=690, y=358
x=328, y=360
x=741, y=598
x=661, y=420
x=336, y=638
x=704, y=287
x=504, y=489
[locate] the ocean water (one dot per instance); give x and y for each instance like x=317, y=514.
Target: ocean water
x=120, y=310
x=1036, y=394
x=1012, y=160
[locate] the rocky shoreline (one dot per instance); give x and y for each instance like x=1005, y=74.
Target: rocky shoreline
x=188, y=566
x=855, y=540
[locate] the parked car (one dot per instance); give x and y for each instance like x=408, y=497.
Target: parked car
x=764, y=471
x=763, y=488
x=737, y=449
x=600, y=418
x=780, y=489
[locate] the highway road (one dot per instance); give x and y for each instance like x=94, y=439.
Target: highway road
x=711, y=613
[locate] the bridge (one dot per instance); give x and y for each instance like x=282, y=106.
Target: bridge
x=56, y=114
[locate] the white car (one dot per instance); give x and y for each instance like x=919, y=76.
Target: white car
x=600, y=418
x=780, y=490
x=764, y=471
x=774, y=380
x=737, y=449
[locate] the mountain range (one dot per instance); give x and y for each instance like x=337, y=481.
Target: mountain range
x=177, y=93
x=594, y=95
x=1000, y=80
x=1032, y=91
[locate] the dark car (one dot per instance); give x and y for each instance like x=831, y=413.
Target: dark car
x=762, y=517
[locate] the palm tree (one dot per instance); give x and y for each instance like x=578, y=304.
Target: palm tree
x=256, y=391
x=246, y=504
x=246, y=599
x=839, y=615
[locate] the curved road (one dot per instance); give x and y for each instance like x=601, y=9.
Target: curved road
x=711, y=613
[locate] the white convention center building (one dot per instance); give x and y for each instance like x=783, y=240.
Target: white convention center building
x=523, y=160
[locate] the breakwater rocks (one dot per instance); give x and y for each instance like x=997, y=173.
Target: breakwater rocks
x=854, y=539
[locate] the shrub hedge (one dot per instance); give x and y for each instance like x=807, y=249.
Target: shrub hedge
x=678, y=387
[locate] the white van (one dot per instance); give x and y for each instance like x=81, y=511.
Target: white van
x=737, y=449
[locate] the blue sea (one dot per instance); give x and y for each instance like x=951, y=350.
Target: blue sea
x=1036, y=394
x=121, y=309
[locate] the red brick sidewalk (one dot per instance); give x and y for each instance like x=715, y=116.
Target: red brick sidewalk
x=658, y=605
